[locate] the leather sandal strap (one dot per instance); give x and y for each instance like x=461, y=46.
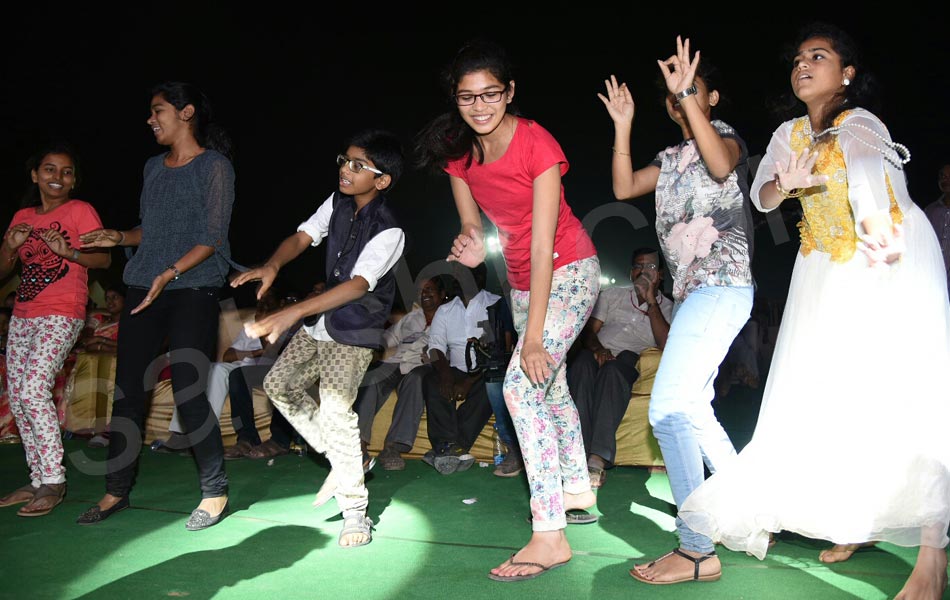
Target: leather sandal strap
x=696, y=560
x=47, y=490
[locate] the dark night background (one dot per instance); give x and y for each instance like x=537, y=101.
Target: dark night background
x=291, y=83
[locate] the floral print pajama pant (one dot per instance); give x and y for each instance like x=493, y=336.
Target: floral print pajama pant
x=36, y=350
x=545, y=418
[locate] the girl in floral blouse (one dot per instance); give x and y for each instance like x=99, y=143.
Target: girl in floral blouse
x=703, y=223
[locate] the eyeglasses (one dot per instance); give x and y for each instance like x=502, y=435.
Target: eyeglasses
x=354, y=165
x=489, y=97
x=646, y=266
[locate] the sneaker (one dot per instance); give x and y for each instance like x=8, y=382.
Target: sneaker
x=429, y=458
x=391, y=459
x=512, y=466
x=452, y=458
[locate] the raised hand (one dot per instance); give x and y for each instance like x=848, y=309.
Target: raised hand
x=266, y=274
x=619, y=101
x=17, y=235
x=468, y=249
x=273, y=325
x=678, y=70
x=100, y=238
x=797, y=174
x=645, y=286
x=57, y=243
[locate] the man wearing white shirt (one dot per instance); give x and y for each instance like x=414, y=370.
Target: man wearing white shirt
x=403, y=370
x=244, y=351
x=625, y=322
x=454, y=427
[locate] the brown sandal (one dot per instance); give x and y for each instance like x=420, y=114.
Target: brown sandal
x=19, y=495
x=47, y=497
x=268, y=449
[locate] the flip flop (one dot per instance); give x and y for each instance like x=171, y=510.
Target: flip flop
x=543, y=569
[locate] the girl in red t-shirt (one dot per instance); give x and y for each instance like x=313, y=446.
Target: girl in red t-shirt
x=48, y=315
x=511, y=168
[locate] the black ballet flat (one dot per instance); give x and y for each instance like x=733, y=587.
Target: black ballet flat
x=96, y=515
x=201, y=519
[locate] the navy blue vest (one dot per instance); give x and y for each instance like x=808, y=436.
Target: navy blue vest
x=362, y=321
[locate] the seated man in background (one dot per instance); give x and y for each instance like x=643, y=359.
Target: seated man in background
x=452, y=427
x=600, y=373
x=244, y=351
x=403, y=371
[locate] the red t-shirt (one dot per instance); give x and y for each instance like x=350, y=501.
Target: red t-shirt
x=50, y=284
x=504, y=190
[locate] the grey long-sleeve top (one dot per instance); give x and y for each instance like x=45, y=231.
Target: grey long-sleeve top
x=180, y=208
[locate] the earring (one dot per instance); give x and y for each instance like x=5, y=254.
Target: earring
x=846, y=81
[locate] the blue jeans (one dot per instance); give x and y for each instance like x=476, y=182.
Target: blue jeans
x=503, y=424
x=684, y=423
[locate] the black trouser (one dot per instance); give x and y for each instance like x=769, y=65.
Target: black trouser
x=240, y=383
x=450, y=422
x=601, y=395
x=378, y=383
x=188, y=318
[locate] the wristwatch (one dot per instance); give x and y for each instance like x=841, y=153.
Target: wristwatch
x=175, y=270
x=687, y=92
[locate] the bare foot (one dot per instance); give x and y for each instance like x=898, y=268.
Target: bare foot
x=354, y=539
x=108, y=501
x=213, y=506
x=326, y=491
x=581, y=501
x=674, y=568
x=545, y=548
x=928, y=580
x=841, y=552
x=356, y=531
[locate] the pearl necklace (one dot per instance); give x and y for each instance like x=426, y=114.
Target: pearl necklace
x=901, y=153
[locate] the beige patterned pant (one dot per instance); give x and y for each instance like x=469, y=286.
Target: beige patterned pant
x=330, y=426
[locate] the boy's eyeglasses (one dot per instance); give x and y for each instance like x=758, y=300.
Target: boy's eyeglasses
x=489, y=97
x=646, y=266
x=355, y=166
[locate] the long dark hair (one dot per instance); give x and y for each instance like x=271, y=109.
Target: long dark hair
x=448, y=137
x=32, y=195
x=863, y=90
x=208, y=132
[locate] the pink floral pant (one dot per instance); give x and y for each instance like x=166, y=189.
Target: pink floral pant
x=545, y=418
x=36, y=350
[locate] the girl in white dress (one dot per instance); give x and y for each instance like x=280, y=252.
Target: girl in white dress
x=850, y=442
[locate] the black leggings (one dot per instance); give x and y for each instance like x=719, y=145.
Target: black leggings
x=188, y=319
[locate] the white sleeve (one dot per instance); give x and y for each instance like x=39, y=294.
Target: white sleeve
x=864, y=154
x=601, y=307
x=244, y=343
x=379, y=255
x=318, y=224
x=438, y=331
x=779, y=150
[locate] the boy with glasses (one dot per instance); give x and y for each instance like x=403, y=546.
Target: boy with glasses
x=343, y=325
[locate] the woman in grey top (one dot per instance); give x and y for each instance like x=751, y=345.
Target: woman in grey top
x=173, y=278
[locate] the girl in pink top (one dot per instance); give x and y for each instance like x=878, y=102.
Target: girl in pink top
x=511, y=168
x=48, y=316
